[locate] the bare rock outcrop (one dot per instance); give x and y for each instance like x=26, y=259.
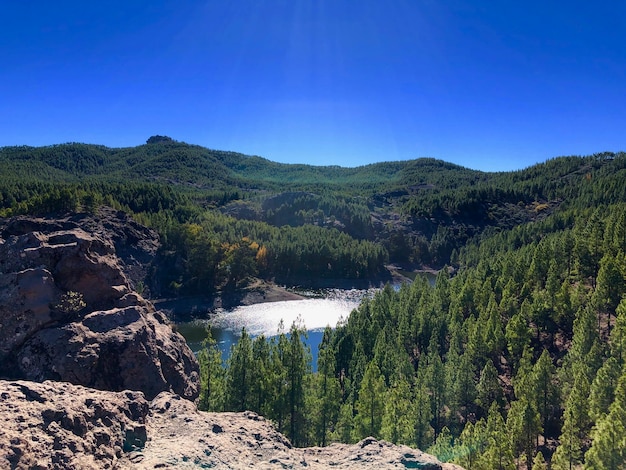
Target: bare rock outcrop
x=182, y=437
x=55, y=425
x=68, y=311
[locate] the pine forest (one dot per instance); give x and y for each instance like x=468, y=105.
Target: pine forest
x=514, y=356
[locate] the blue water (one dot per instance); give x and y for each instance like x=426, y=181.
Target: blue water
x=265, y=318
x=318, y=310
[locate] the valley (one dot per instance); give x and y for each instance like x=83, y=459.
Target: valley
x=512, y=357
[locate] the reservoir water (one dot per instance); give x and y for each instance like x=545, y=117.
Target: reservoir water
x=318, y=310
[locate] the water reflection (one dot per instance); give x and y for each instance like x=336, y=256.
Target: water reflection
x=321, y=308
x=264, y=319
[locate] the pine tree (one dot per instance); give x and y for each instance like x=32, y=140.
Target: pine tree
x=471, y=444
x=575, y=424
x=344, y=430
x=397, y=425
x=585, y=354
x=494, y=336
x=435, y=380
x=260, y=375
x=212, y=375
x=297, y=361
x=563, y=309
x=238, y=381
x=489, y=390
x=498, y=454
x=277, y=384
x=443, y=448
x=370, y=403
x=603, y=388
x=568, y=454
x=462, y=386
x=539, y=462
x=422, y=416
x=524, y=427
x=618, y=335
x=610, y=287
x=608, y=450
x=517, y=336
x=327, y=390
x=545, y=390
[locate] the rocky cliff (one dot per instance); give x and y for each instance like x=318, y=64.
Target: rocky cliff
x=68, y=311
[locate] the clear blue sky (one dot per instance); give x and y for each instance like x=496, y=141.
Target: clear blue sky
x=491, y=85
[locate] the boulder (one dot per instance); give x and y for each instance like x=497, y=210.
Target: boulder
x=68, y=311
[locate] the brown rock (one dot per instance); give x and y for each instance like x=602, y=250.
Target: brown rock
x=54, y=425
x=67, y=311
x=181, y=436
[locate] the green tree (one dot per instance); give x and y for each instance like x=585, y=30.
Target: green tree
x=397, y=425
x=297, y=361
x=524, y=426
x=443, y=448
x=327, y=390
x=471, y=444
x=603, y=388
x=568, y=454
x=370, y=403
x=260, y=375
x=539, y=462
x=212, y=375
x=585, y=352
x=238, y=380
x=608, y=450
x=489, y=390
x=610, y=287
x=344, y=430
x=277, y=389
x=435, y=379
x=517, y=336
x=498, y=454
x=618, y=335
x=460, y=378
x=422, y=416
x=545, y=389
x=575, y=424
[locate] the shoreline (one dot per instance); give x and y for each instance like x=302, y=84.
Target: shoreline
x=200, y=307
x=259, y=291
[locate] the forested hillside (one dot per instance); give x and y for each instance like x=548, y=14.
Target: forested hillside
x=517, y=358
x=514, y=356
x=228, y=213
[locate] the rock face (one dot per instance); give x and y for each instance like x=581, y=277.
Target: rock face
x=68, y=311
x=55, y=425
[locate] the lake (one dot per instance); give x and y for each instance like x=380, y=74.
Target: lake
x=318, y=310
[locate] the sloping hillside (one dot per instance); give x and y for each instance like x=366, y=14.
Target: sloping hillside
x=415, y=214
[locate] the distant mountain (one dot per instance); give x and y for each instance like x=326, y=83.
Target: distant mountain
x=199, y=166
x=420, y=211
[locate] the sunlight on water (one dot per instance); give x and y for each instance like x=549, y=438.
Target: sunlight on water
x=259, y=319
x=264, y=319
